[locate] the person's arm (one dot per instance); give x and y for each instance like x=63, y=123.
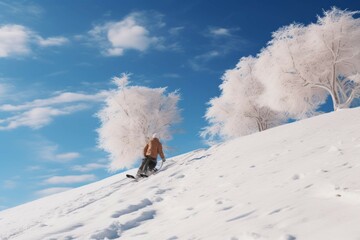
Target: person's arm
x=145, y=149
x=161, y=153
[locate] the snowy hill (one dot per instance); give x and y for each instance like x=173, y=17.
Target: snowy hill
x=297, y=181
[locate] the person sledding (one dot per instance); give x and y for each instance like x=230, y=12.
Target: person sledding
x=152, y=149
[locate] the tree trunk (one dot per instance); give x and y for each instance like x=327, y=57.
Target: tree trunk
x=335, y=97
x=331, y=92
x=334, y=100
x=259, y=124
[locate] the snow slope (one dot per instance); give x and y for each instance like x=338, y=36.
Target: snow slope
x=297, y=181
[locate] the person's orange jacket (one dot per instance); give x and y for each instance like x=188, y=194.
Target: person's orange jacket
x=153, y=148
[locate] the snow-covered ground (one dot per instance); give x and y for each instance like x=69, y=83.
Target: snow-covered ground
x=298, y=181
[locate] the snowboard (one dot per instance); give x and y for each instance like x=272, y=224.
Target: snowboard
x=142, y=175
x=130, y=176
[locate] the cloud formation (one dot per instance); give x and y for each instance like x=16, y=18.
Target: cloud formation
x=71, y=179
x=18, y=40
x=14, y=40
x=23, y=8
x=49, y=151
x=33, y=168
x=40, y=112
x=219, y=43
x=176, y=30
x=131, y=33
x=198, y=63
x=37, y=117
x=61, y=98
x=220, y=31
x=52, y=41
x=89, y=167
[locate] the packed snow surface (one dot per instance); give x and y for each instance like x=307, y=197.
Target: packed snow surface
x=298, y=181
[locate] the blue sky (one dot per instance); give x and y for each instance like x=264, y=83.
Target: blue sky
x=56, y=58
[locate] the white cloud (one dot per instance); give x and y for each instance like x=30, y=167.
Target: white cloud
x=114, y=52
x=52, y=41
x=220, y=31
x=198, y=63
x=41, y=112
x=209, y=55
x=62, y=98
x=51, y=191
x=133, y=32
x=14, y=40
x=22, y=8
x=33, y=168
x=17, y=40
x=70, y=179
x=176, y=30
x=129, y=34
x=68, y=156
x=37, y=117
x=89, y=167
x=50, y=152
x=221, y=42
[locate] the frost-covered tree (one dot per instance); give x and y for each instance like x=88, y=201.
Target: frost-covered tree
x=130, y=117
x=284, y=90
x=236, y=111
x=302, y=65
x=336, y=37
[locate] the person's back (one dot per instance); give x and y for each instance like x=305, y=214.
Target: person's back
x=153, y=148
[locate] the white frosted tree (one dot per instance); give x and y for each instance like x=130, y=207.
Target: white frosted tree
x=130, y=117
x=303, y=65
x=236, y=112
x=336, y=37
